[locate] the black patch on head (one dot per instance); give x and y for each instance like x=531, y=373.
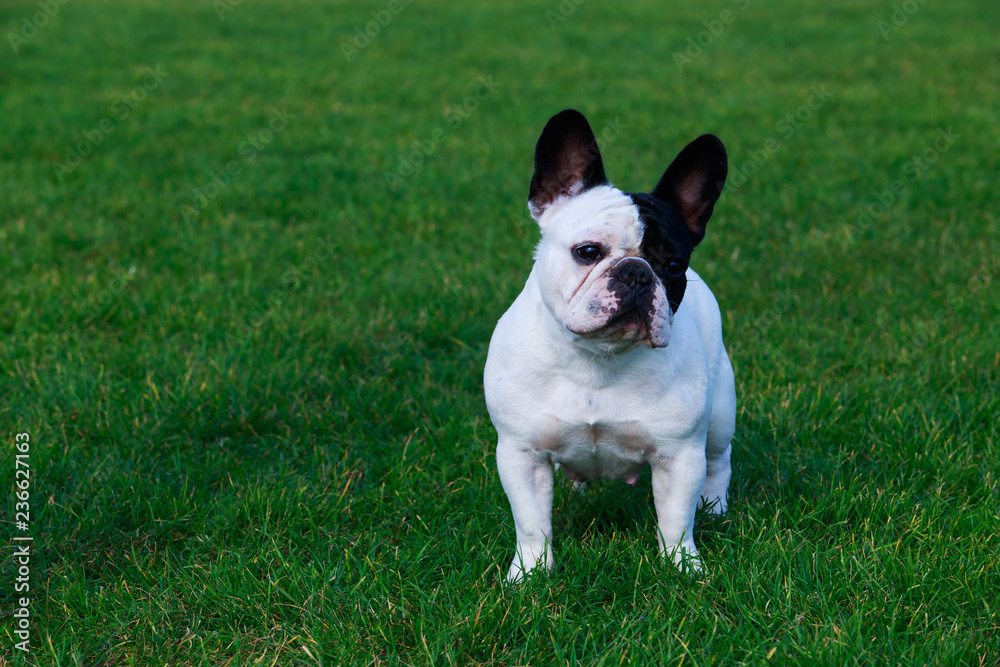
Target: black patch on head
x=666, y=238
x=693, y=182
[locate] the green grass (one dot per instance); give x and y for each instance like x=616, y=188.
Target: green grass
x=258, y=431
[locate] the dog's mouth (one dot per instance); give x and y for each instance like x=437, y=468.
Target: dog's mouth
x=627, y=315
x=631, y=322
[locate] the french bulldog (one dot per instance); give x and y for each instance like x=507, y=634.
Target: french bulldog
x=611, y=358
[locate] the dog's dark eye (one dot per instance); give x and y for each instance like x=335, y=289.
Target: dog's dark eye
x=588, y=253
x=676, y=267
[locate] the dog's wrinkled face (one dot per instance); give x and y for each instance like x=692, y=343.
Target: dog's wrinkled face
x=611, y=265
x=599, y=275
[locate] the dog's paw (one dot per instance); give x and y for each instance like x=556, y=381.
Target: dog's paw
x=689, y=563
x=520, y=569
x=685, y=558
x=515, y=574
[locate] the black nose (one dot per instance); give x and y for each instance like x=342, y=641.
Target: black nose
x=634, y=273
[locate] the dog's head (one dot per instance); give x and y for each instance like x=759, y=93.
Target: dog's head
x=612, y=265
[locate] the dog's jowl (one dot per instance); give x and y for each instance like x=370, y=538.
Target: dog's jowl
x=611, y=358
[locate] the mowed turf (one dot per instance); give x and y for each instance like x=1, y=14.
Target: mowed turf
x=249, y=278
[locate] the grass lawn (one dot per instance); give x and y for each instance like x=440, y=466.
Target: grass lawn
x=251, y=258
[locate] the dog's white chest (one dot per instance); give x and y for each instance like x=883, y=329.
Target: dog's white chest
x=590, y=443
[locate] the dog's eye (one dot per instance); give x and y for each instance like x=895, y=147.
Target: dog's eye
x=588, y=253
x=676, y=267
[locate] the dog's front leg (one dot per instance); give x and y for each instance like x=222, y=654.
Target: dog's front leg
x=677, y=484
x=527, y=479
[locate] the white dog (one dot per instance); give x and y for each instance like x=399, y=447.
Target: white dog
x=612, y=356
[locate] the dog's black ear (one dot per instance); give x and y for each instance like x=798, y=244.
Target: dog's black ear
x=693, y=182
x=567, y=161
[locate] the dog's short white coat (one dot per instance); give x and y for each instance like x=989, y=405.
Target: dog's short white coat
x=600, y=406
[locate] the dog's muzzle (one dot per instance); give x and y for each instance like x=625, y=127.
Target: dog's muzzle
x=633, y=282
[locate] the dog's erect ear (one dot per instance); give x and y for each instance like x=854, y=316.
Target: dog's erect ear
x=567, y=161
x=693, y=182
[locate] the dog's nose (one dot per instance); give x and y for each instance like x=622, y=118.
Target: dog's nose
x=634, y=273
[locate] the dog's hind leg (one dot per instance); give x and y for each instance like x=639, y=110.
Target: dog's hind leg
x=718, y=446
